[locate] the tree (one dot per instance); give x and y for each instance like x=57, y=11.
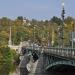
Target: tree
x=5, y=21
x=20, y=18
x=56, y=20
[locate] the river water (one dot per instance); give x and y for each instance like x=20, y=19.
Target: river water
x=4, y=70
x=51, y=73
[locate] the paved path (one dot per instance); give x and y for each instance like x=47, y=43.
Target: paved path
x=33, y=69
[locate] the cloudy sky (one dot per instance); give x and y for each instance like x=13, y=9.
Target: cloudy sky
x=37, y=9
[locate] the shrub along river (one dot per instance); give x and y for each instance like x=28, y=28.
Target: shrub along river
x=6, y=68
x=9, y=60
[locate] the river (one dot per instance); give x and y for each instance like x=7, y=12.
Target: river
x=5, y=70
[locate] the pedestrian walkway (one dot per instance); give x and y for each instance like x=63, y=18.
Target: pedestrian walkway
x=34, y=66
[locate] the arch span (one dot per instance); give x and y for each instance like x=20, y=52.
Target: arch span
x=61, y=65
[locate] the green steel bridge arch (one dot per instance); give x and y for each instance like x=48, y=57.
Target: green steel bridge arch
x=53, y=57
x=60, y=63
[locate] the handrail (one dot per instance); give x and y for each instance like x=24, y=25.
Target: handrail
x=66, y=52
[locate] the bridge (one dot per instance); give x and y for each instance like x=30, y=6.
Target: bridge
x=42, y=60
x=50, y=59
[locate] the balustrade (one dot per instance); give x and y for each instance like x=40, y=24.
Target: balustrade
x=66, y=52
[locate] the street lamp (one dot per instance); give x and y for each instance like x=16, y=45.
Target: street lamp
x=72, y=33
x=10, y=40
x=62, y=16
x=49, y=39
x=34, y=37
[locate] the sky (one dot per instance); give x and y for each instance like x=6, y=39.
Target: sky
x=35, y=9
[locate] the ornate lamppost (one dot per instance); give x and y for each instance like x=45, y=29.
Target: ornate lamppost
x=10, y=41
x=62, y=16
x=34, y=37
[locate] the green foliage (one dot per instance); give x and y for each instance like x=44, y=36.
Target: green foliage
x=5, y=51
x=56, y=20
x=20, y=18
x=43, y=30
x=7, y=57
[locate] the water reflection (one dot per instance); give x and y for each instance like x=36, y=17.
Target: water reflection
x=46, y=73
x=61, y=73
x=23, y=72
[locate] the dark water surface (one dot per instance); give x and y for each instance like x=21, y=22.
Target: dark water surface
x=64, y=72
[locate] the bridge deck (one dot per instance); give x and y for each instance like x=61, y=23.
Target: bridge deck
x=34, y=66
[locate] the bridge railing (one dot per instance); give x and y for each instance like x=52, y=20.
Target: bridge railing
x=29, y=49
x=66, y=52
